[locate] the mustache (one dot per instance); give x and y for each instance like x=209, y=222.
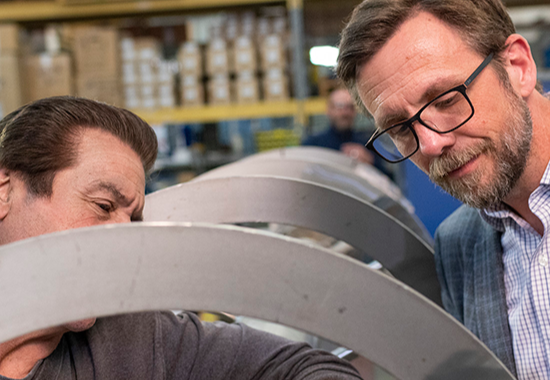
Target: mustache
x=441, y=166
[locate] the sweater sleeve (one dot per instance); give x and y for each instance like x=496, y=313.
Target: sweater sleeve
x=196, y=350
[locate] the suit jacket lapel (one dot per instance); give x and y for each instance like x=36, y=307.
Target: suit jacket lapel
x=490, y=299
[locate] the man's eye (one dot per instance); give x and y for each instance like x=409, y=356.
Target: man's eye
x=107, y=207
x=446, y=101
x=398, y=131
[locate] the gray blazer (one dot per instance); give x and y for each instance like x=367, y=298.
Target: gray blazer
x=468, y=256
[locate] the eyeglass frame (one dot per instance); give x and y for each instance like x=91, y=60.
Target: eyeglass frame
x=416, y=117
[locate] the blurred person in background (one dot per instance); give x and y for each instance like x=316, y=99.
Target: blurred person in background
x=341, y=136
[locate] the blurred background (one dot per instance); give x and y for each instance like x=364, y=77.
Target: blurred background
x=218, y=79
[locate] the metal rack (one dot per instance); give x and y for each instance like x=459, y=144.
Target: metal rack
x=300, y=107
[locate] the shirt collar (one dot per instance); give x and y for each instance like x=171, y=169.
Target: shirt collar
x=546, y=176
x=496, y=214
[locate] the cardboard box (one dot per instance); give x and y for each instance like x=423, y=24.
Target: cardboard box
x=165, y=95
x=275, y=85
x=127, y=49
x=245, y=55
x=190, y=59
x=47, y=75
x=131, y=96
x=149, y=102
x=247, y=88
x=147, y=91
x=263, y=28
x=280, y=26
x=130, y=74
x=10, y=84
x=146, y=48
x=95, y=51
x=219, y=90
x=217, y=58
x=147, y=71
x=231, y=27
x=102, y=89
x=272, y=53
x=165, y=72
x=9, y=38
x=248, y=23
x=192, y=92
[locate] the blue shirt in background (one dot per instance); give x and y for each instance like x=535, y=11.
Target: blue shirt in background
x=333, y=139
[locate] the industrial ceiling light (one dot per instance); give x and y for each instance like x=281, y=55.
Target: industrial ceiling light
x=323, y=55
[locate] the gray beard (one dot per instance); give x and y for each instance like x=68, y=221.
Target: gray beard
x=509, y=155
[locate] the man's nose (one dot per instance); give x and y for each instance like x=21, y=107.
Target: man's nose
x=433, y=144
x=121, y=217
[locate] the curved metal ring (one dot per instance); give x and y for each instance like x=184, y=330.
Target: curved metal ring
x=144, y=266
x=305, y=204
x=308, y=153
x=377, y=189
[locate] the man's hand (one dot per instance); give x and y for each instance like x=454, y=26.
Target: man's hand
x=357, y=152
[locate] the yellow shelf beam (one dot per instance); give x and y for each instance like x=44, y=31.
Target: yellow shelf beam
x=43, y=11
x=209, y=114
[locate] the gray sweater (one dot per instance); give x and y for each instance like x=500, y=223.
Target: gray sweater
x=160, y=345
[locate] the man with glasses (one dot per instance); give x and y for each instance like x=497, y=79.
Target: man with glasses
x=454, y=89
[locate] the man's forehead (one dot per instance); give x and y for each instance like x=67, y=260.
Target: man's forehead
x=419, y=54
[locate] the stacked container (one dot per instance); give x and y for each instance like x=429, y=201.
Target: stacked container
x=191, y=71
x=97, y=63
x=148, y=80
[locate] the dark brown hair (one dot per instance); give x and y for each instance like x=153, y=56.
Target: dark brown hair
x=41, y=138
x=484, y=24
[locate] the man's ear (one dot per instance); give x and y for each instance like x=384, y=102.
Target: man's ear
x=520, y=65
x=5, y=192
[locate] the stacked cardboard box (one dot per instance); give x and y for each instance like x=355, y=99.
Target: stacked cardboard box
x=191, y=72
x=10, y=79
x=49, y=73
x=248, y=24
x=192, y=91
x=275, y=85
x=231, y=27
x=274, y=66
x=219, y=90
x=218, y=68
x=97, y=63
x=166, y=84
x=247, y=88
x=148, y=80
x=246, y=66
x=244, y=54
x=272, y=52
x=264, y=28
x=217, y=57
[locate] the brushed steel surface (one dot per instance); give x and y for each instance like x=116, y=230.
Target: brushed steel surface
x=364, y=182
x=308, y=205
x=116, y=269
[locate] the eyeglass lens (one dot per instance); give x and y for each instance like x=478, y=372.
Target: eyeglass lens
x=443, y=114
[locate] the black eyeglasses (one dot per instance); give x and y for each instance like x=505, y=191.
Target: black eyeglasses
x=446, y=113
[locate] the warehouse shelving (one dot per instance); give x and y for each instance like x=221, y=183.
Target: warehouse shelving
x=55, y=10
x=58, y=10
x=312, y=106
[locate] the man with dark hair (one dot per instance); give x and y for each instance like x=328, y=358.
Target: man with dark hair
x=452, y=87
x=68, y=162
